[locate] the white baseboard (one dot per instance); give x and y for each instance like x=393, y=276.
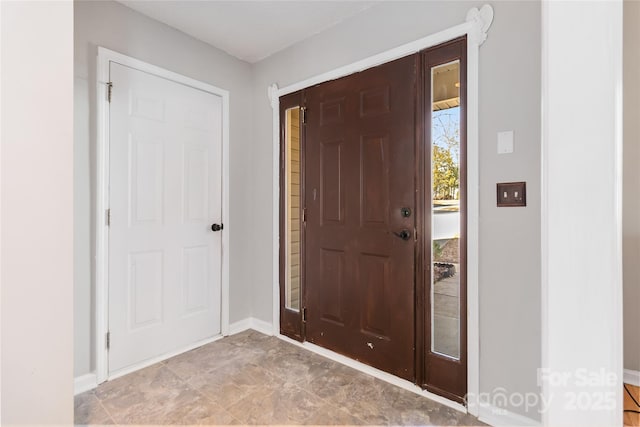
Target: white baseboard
x=499, y=417
x=632, y=377
x=251, y=323
x=239, y=326
x=84, y=383
x=261, y=326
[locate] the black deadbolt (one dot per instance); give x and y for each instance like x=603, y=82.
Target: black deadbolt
x=403, y=234
x=217, y=227
x=406, y=212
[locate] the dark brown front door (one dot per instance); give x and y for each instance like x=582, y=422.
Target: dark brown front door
x=360, y=211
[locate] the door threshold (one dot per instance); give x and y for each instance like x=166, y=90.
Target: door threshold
x=374, y=372
x=146, y=363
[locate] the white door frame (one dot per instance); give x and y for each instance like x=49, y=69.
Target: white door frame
x=105, y=57
x=475, y=27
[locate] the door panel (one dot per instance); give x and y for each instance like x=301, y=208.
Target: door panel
x=145, y=289
x=332, y=182
x=165, y=192
x=332, y=262
x=195, y=284
x=360, y=173
x=374, y=171
x=376, y=290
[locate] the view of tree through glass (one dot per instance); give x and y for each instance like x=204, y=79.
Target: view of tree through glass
x=446, y=154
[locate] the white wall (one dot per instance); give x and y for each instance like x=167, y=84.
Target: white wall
x=581, y=215
x=116, y=27
x=509, y=100
x=631, y=186
x=37, y=213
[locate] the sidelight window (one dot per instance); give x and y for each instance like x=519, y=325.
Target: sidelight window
x=446, y=213
x=293, y=208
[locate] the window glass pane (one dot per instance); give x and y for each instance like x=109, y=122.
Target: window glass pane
x=292, y=154
x=446, y=218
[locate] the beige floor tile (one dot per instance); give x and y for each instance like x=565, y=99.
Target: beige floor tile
x=329, y=415
x=299, y=366
x=288, y=404
x=254, y=340
x=89, y=411
x=333, y=385
x=207, y=358
x=165, y=407
x=365, y=400
x=233, y=382
x=141, y=381
x=252, y=379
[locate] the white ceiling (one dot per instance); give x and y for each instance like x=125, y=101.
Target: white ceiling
x=249, y=30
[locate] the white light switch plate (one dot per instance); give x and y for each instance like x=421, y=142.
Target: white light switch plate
x=505, y=142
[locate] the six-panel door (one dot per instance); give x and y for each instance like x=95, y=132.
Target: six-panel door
x=359, y=177
x=165, y=192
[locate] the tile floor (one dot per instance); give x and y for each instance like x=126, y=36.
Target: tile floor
x=251, y=378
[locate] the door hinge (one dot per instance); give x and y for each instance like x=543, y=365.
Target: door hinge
x=304, y=214
x=304, y=115
x=107, y=217
x=108, y=340
x=304, y=315
x=415, y=234
x=109, y=89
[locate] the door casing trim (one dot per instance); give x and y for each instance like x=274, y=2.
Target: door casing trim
x=105, y=57
x=475, y=27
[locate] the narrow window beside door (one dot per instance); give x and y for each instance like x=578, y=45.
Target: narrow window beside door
x=445, y=210
x=445, y=235
x=292, y=165
x=292, y=231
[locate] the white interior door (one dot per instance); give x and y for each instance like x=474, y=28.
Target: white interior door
x=165, y=187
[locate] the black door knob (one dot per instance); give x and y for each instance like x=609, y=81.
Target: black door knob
x=217, y=227
x=403, y=234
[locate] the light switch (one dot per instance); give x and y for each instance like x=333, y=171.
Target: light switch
x=505, y=142
x=512, y=194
